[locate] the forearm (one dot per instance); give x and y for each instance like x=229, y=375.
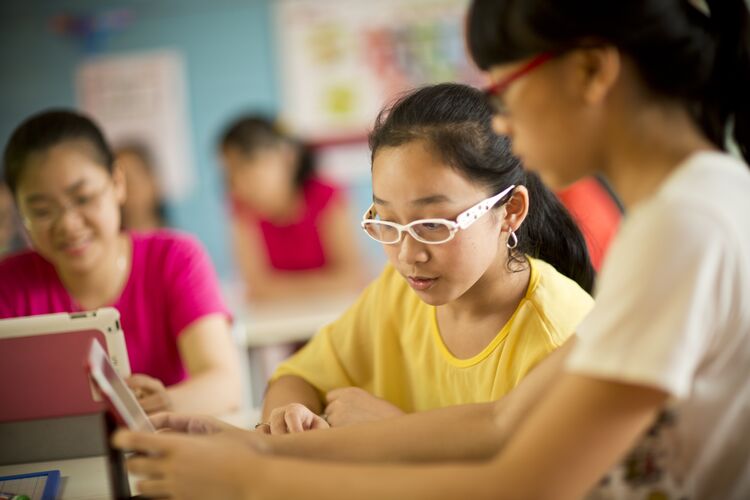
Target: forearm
x=214, y=392
x=455, y=433
x=283, y=479
x=291, y=389
x=463, y=432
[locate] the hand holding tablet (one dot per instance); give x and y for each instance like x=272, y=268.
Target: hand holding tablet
x=116, y=392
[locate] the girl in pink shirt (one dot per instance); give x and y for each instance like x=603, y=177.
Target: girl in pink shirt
x=69, y=191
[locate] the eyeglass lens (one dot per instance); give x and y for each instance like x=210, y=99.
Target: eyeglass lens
x=432, y=232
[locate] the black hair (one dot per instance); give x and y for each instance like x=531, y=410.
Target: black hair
x=456, y=123
x=251, y=133
x=44, y=130
x=680, y=51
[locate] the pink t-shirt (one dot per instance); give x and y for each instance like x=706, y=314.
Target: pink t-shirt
x=171, y=284
x=295, y=246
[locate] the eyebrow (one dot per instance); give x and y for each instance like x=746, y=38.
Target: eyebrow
x=39, y=197
x=426, y=200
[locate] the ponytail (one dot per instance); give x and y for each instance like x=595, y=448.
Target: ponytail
x=728, y=98
x=550, y=234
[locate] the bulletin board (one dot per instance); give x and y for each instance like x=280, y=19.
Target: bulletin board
x=141, y=97
x=341, y=61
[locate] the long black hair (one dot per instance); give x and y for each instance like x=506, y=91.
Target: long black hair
x=680, y=51
x=44, y=130
x=249, y=134
x=456, y=122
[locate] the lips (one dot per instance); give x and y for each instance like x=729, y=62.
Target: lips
x=74, y=247
x=420, y=283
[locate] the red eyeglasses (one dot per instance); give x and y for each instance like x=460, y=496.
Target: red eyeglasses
x=495, y=91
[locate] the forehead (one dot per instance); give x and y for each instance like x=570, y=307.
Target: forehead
x=411, y=171
x=60, y=166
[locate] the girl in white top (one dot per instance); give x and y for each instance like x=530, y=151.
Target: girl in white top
x=653, y=400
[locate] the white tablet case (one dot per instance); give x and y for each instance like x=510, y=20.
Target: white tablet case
x=105, y=319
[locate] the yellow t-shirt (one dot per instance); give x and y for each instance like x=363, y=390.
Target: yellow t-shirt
x=389, y=344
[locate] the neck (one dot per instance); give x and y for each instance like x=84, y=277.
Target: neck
x=647, y=146
x=102, y=284
x=291, y=208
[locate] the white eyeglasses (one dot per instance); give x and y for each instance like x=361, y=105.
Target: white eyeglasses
x=430, y=231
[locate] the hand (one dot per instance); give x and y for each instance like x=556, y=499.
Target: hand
x=190, y=424
x=294, y=417
x=188, y=467
x=352, y=405
x=150, y=393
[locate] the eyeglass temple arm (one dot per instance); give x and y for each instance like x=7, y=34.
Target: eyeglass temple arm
x=469, y=216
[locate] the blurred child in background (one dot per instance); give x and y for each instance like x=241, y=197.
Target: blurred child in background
x=144, y=207
x=291, y=232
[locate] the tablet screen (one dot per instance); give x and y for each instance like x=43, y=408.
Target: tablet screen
x=115, y=390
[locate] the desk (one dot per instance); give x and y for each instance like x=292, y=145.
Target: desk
x=268, y=331
x=86, y=478
x=264, y=324
x=82, y=478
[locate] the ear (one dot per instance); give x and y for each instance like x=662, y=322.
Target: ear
x=516, y=209
x=598, y=69
x=118, y=181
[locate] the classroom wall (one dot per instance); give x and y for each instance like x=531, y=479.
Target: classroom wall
x=227, y=46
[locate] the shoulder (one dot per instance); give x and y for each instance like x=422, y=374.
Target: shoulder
x=28, y=285
x=713, y=183
x=319, y=194
x=171, y=255
x=165, y=244
x=706, y=200
x=560, y=302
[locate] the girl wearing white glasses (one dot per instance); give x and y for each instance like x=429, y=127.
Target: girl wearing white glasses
x=488, y=274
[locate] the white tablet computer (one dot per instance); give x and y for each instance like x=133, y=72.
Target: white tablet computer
x=106, y=320
x=116, y=392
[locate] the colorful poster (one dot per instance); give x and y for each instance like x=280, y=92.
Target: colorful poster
x=341, y=61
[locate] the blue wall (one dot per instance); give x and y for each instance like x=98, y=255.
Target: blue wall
x=227, y=48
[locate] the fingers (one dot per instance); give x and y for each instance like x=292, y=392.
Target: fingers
x=294, y=417
x=293, y=422
x=172, y=421
x=153, y=488
x=263, y=428
x=177, y=422
x=276, y=422
x=144, y=442
x=319, y=423
x=155, y=402
x=144, y=465
x=144, y=382
x=333, y=411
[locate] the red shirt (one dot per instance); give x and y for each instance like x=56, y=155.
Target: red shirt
x=295, y=246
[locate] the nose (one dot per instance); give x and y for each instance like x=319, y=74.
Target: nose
x=68, y=219
x=411, y=251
